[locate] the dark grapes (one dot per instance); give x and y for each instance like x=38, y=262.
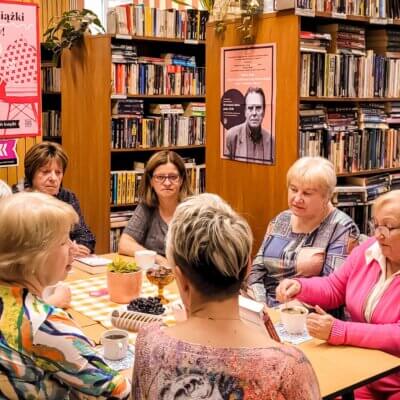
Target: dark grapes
x=148, y=305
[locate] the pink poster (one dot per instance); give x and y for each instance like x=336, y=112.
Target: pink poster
x=248, y=86
x=20, y=102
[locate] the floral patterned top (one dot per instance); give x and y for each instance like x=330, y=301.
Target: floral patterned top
x=167, y=368
x=44, y=355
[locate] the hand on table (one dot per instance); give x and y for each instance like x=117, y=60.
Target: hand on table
x=61, y=297
x=320, y=324
x=79, y=250
x=287, y=290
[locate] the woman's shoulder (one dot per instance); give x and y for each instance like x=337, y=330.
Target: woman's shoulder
x=341, y=218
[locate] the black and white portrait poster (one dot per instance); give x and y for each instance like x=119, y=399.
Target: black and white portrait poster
x=248, y=86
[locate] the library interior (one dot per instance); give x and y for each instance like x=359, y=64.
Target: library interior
x=200, y=199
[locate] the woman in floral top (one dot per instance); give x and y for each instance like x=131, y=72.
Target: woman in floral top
x=43, y=353
x=312, y=238
x=213, y=355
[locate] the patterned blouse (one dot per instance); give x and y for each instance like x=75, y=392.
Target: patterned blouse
x=285, y=254
x=44, y=355
x=167, y=368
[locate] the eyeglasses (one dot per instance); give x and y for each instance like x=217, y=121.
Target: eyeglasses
x=173, y=178
x=383, y=230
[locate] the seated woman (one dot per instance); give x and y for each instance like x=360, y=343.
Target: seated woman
x=43, y=353
x=164, y=185
x=368, y=284
x=45, y=165
x=213, y=354
x=311, y=238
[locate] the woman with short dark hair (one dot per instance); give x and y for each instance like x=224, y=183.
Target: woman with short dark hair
x=213, y=354
x=45, y=165
x=164, y=185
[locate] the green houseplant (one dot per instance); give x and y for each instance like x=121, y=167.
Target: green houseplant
x=68, y=30
x=124, y=280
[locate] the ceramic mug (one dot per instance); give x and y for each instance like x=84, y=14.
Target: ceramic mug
x=145, y=258
x=115, y=344
x=294, y=319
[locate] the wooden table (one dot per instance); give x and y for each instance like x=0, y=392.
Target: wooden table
x=339, y=369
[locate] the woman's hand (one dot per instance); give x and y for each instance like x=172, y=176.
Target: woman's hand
x=320, y=324
x=287, y=290
x=79, y=250
x=162, y=261
x=61, y=297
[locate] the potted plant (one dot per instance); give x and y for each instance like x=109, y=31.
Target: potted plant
x=69, y=30
x=124, y=280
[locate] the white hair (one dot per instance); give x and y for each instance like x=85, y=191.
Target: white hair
x=5, y=190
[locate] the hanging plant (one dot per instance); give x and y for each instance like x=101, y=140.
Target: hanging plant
x=69, y=29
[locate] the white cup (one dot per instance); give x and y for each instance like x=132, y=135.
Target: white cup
x=145, y=258
x=115, y=344
x=294, y=319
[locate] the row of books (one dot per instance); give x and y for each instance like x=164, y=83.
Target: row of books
x=125, y=184
x=141, y=20
x=149, y=78
x=355, y=195
x=51, y=79
x=157, y=131
x=51, y=123
x=353, y=138
x=348, y=75
x=115, y=235
x=169, y=125
x=377, y=9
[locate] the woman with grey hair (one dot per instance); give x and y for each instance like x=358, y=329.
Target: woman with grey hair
x=368, y=284
x=311, y=238
x=213, y=354
x=43, y=352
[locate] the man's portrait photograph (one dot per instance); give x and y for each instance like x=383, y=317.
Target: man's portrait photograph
x=248, y=111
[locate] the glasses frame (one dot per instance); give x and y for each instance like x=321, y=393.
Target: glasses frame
x=381, y=229
x=173, y=178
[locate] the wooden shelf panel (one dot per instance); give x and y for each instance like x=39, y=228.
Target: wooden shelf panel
x=114, y=206
x=135, y=150
x=158, y=39
x=155, y=96
x=349, y=99
x=368, y=172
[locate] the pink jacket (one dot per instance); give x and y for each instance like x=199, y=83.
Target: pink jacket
x=350, y=285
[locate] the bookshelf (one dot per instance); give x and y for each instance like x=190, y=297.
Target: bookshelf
x=51, y=97
x=256, y=191
x=92, y=106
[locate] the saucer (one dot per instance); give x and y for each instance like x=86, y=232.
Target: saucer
x=119, y=365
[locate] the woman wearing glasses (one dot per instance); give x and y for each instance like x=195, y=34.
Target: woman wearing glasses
x=164, y=185
x=368, y=284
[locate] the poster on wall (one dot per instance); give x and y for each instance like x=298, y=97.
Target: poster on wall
x=8, y=153
x=248, y=86
x=20, y=100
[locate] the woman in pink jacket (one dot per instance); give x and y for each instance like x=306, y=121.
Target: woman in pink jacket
x=368, y=284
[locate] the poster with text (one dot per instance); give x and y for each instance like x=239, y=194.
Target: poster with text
x=248, y=85
x=8, y=153
x=20, y=97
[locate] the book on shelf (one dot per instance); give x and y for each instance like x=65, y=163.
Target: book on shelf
x=142, y=20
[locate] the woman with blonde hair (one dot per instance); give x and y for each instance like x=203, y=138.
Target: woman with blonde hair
x=368, y=284
x=164, y=185
x=43, y=353
x=213, y=354
x=311, y=238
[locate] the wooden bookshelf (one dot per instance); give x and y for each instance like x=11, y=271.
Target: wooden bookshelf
x=368, y=172
x=258, y=192
x=86, y=119
x=153, y=149
x=158, y=39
